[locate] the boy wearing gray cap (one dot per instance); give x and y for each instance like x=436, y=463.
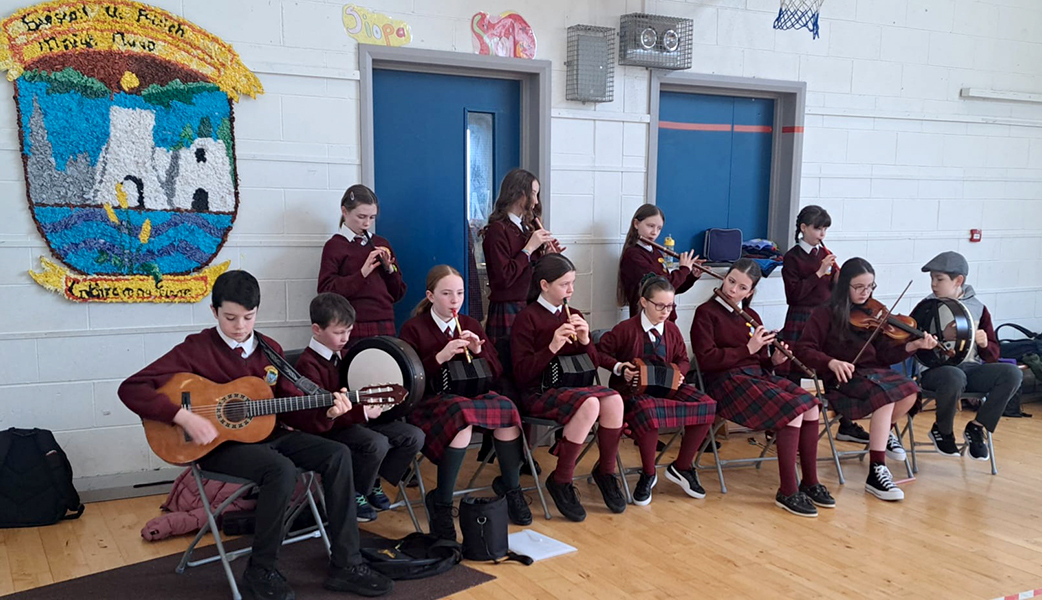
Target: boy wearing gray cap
x=980, y=373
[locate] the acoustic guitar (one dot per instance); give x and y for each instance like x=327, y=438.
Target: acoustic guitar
x=242, y=411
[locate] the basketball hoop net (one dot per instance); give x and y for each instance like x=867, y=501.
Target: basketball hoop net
x=795, y=14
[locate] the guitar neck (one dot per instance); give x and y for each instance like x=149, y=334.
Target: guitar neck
x=274, y=406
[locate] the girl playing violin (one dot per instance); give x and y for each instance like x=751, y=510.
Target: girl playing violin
x=652, y=337
x=739, y=374
x=809, y=272
x=361, y=267
x=544, y=330
x=869, y=387
x=447, y=419
x=639, y=259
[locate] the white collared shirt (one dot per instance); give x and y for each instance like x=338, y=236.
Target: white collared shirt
x=444, y=326
x=645, y=245
x=516, y=220
x=724, y=304
x=321, y=349
x=807, y=247
x=546, y=304
x=249, y=345
x=349, y=233
x=646, y=324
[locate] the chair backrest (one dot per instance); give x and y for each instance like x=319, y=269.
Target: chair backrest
x=697, y=372
x=292, y=356
x=597, y=334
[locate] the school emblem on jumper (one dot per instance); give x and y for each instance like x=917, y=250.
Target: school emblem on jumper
x=271, y=375
x=126, y=129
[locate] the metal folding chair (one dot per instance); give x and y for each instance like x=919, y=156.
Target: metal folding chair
x=225, y=557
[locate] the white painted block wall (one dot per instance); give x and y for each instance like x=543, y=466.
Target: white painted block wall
x=904, y=165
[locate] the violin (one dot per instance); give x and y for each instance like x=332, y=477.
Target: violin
x=899, y=328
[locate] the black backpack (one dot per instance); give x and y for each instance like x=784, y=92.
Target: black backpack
x=1031, y=343
x=35, y=480
x=415, y=556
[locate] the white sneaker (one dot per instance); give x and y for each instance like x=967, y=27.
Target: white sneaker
x=894, y=450
x=881, y=484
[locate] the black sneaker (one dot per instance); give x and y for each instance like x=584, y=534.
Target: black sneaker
x=526, y=470
x=798, y=504
x=378, y=499
x=687, y=479
x=850, y=431
x=881, y=484
x=819, y=495
x=974, y=435
x=265, y=584
x=642, y=493
x=442, y=524
x=894, y=449
x=358, y=579
x=365, y=511
x=610, y=490
x=566, y=497
x=517, y=506
x=943, y=443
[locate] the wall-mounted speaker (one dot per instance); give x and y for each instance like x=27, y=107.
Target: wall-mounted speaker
x=655, y=41
x=591, y=64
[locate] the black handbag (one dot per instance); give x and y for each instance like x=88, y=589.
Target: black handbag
x=1017, y=349
x=483, y=522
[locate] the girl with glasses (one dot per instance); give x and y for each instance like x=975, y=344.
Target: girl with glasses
x=869, y=388
x=739, y=373
x=652, y=337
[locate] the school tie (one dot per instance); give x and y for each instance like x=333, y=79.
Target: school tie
x=335, y=359
x=814, y=252
x=449, y=333
x=359, y=240
x=659, y=343
x=241, y=350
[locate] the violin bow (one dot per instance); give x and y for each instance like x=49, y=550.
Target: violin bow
x=882, y=321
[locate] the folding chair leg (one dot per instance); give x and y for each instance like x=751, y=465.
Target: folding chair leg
x=911, y=445
x=832, y=446
x=991, y=454
x=404, y=494
x=211, y=524
x=531, y=465
x=489, y=456
x=672, y=440
x=318, y=520
x=622, y=475
x=908, y=463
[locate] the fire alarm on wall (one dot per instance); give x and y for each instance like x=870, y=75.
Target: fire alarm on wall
x=975, y=235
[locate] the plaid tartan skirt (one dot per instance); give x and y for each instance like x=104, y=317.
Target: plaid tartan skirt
x=559, y=404
x=688, y=407
x=868, y=391
x=758, y=400
x=442, y=416
x=500, y=320
x=795, y=320
x=369, y=329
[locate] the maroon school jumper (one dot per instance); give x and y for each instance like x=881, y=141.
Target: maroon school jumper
x=373, y=297
x=509, y=275
x=443, y=415
x=644, y=413
x=327, y=375
x=637, y=262
x=743, y=384
x=873, y=385
x=804, y=290
x=530, y=346
x=204, y=354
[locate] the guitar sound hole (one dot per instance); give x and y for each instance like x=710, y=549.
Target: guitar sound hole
x=233, y=412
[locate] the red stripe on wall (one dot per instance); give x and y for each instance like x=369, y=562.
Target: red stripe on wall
x=753, y=128
x=792, y=129
x=693, y=126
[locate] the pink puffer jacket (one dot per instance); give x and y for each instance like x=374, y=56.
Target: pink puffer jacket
x=183, y=509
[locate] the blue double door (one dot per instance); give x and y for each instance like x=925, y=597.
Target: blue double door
x=442, y=145
x=714, y=165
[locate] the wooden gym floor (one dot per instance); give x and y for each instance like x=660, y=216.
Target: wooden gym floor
x=959, y=534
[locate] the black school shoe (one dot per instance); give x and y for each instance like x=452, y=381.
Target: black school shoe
x=610, y=490
x=798, y=504
x=944, y=444
x=974, y=435
x=819, y=495
x=566, y=498
x=642, y=493
x=358, y=579
x=852, y=432
x=266, y=585
x=687, y=479
x=517, y=506
x=442, y=524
